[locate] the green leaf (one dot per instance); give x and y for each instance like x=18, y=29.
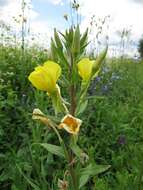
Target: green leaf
x=94, y=169
x=57, y=50
x=61, y=56
x=4, y=176
x=57, y=40
x=96, y=97
x=13, y=187
x=83, y=47
x=53, y=50
x=81, y=108
x=90, y=171
x=69, y=36
x=57, y=150
x=83, y=180
x=83, y=40
x=76, y=150
x=35, y=187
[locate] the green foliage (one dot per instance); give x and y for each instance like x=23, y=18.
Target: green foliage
x=140, y=47
x=90, y=171
x=57, y=150
x=112, y=133
x=16, y=102
x=114, y=130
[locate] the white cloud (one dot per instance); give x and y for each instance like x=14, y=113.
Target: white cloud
x=41, y=27
x=124, y=14
x=12, y=9
x=41, y=32
x=138, y=1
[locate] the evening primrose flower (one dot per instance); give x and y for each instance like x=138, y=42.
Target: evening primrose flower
x=85, y=68
x=45, y=77
x=89, y=69
x=70, y=124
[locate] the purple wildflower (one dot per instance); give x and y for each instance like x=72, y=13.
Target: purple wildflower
x=122, y=140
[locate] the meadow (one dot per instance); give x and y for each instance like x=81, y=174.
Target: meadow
x=106, y=152
x=112, y=133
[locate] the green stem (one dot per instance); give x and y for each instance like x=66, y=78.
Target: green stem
x=73, y=176
x=74, y=180
x=58, y=101
x=73, y=101
x=84, y=90
x=71, y=168
x=69, y=159
x=60, y=141
x=82, y=95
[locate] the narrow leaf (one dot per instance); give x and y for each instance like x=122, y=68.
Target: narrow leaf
x=34, y=186
x=57, y=40
x=76, y=150
x=90, y=171
x=83, y=40
x=81, y=108
x=57, y=150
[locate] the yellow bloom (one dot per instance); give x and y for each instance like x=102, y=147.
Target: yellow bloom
x=45, y=77
x=70, y=124
x=85, y=68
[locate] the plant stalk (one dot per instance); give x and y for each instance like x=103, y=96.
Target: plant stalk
x=72, y=112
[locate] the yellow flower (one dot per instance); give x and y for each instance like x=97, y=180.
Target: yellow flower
x=85, y=68
x=89, y=69
x=70, y=124
x=45, y=77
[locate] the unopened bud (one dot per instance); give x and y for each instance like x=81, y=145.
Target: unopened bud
x=38, y=115
x=62, y=184
x=98, y=61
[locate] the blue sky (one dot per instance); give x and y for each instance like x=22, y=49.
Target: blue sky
x=47, y=14
x=51, y=13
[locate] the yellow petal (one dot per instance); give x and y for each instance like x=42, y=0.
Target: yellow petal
x=37, y=78
x=85, y=68
x=45, y=77
x=53, y=69
x=70, y=124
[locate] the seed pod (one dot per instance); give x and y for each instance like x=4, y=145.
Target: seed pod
x=98, y=61
x=76, y=41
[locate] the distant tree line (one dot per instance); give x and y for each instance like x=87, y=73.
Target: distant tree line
x=140, y=47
